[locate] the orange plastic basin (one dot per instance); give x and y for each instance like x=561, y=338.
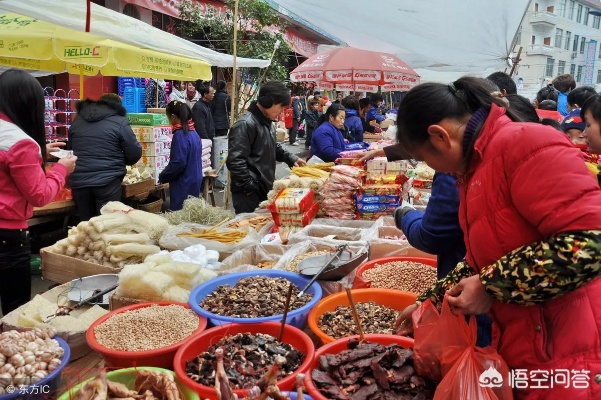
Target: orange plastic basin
x=161, y=358
x=394, y=299
x=370, y=264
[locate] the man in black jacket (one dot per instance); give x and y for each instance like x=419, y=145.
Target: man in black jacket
x=221, y=110
x=104, y=143
x=202, y=115
x=253, y=150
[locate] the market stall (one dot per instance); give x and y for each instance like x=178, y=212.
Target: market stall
x=202, y=285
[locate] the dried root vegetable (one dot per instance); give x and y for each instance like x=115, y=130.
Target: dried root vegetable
x=255, y=222
x=229, y=237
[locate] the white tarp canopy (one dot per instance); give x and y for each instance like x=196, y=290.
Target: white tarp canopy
x=113, y=25
x=440, y=39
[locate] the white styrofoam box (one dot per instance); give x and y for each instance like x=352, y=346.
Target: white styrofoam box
x=161, y=133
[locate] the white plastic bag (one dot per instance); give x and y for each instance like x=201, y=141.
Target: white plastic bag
x=315, y=160
x=248, y=259
x=171, y=241
x=329, y=234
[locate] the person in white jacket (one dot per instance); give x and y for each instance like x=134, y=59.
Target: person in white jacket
x=178, y=93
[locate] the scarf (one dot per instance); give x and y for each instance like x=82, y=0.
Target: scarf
x=178, y=126
x=190, y=94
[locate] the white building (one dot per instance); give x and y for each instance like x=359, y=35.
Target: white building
x=557, y=37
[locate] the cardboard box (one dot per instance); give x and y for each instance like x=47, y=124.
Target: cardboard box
x=116, y=302
x=154, y=149
x=62, y=269
x=153, y=162
x=76, y=340
x=152, y=133
x=147, y=119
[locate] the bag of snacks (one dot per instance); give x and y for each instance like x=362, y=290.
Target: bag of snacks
x=298, y=219
x=292, y=201
x=348, y=170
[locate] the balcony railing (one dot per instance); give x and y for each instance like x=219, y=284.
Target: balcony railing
x=539, y=49
x=545, y=18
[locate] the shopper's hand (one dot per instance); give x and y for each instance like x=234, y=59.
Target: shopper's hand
x=404, y=324
x=53, y=147
x=370, y=154
x=300, y=163
x=68, y=162
x=469, y=297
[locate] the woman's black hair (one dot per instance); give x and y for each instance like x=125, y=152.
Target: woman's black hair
x=580, y=95
x=429, y=103
x=547, y=93
x=22, y=101
x=180, y=110
x=332, y=111
x=350, y=102
x=364, y=102
x=522, y=107
x=592, y=104
x=549, y=105
x=552, y=122
x=221, y=86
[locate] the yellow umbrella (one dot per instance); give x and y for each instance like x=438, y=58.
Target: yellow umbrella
x=30, y=43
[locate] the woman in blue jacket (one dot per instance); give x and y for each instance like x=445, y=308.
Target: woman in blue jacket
x=184, y=171
x=327, y=141
x=352, y=120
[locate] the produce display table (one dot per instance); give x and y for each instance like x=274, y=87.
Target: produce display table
x=51, y=211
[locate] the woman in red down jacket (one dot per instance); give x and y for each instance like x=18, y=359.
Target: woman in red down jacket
x=531, y=217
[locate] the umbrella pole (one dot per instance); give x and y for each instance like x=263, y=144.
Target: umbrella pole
x=88, y=19
x=81, y=85
x=234, y=98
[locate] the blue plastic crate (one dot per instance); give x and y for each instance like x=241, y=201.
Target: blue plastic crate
x=133, y=99
x=123, y=82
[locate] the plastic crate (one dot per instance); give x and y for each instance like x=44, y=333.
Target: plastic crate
x=133, y=99
x=123, y=82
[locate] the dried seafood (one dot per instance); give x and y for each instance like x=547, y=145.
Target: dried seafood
x=374, y=317
x=253, y=297
x=370, y=371
x=245, y=357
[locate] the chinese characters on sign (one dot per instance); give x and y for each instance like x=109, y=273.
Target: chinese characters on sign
x=537, y=379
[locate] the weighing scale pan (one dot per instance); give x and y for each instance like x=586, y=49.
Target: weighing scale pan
x=84, y=288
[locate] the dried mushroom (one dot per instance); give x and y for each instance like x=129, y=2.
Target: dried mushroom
x=374, y=317
x=246, y=358
x=253, y=297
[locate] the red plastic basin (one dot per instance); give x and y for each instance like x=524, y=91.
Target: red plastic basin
x=340, y=345
x=360, y=280
x=394, y=299
x=201, y=342
x=161, y=358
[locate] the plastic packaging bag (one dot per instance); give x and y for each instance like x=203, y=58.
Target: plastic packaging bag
x=445, y=351
x=348, y=170
x=252, y=258
x=171, y=241
x=292, y=201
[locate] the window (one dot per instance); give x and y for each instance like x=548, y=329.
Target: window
x=579, y=14
x=562, y=8
x=576, y=40
x=586, y=11
x=547, y=41
x=550, y=66
x=571, y=9
x=599, y=53
x=533, y=39
x=579, y=74
x=518, y=38
x=568, y=40
x=572, y=69
x=599, y=76
x=596, y=20
x=582, y=45
x=535, y=7
x=561, y=68
x=558, y=37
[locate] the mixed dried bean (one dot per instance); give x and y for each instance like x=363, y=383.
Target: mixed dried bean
x=254, y=297
x=374, y=317
x=407, y=276
x=293, y=266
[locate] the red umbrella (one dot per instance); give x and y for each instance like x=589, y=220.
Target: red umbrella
x=350, y=66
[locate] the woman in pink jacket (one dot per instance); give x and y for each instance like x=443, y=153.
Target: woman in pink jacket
x=23, y=181
x=531, y=216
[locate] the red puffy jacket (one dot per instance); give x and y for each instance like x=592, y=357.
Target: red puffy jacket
x=526, y=183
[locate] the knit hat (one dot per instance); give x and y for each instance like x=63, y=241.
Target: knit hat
x=573, y=121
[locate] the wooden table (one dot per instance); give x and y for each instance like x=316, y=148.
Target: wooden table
x=51, y=211
x=81, y=370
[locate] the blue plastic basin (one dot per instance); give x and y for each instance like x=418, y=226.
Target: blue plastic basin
x=296, y=318
x=47, y=387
